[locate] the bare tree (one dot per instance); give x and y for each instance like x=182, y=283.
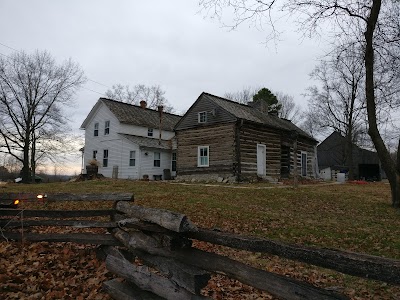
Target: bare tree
x=339, y=103
x=373, y=24
x=289, y=109
x=34, y=89
x=243, y=96
x=153, y=95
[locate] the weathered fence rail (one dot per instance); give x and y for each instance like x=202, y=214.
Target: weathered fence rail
x=15, y=219
x=162, y=240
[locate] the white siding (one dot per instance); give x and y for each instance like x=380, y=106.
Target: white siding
x=110, y=142
x=119, y=148
x=147, y=162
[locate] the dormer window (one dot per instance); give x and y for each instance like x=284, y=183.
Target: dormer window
x=107, y=128
x=150, y=132
x=202, y=117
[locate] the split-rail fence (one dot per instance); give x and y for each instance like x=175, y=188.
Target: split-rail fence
x=170, y=267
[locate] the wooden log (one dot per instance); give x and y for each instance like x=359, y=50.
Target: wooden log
x=90, y=197
x=67, y=197
x=148, y=281
x=189, y=277
x=9, y=223
x=361, y=265
x=80, y=238
x=103, y=251
x=144, y=226
x=127, y=291
x=278, y=285
x=56, y=213
x=167, y=219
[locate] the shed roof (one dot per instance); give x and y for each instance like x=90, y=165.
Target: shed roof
x=150, y=142
x=136, y=115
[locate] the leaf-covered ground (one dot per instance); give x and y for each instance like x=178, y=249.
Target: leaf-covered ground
x=350, y=217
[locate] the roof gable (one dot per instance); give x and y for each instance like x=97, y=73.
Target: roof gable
x=135, y=115
x=246, y=112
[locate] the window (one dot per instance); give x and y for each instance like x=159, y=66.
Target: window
x=105, y=158
x=94, y=154
x=157, y=161
x=303, y=163
x=132, y=160
x=96, y=129
x=203, y=156
x=107, y=128
x=173, y=167
x=202, y=117
x=150, y=132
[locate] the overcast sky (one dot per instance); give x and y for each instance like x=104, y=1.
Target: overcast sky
x=154, y=42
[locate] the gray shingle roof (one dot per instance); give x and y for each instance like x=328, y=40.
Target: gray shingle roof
x=135, y=115
x=150, y=142
x=245, y=112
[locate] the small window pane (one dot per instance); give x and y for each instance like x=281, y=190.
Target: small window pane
x=157, y=160
x=105, y=158
x=107, y=128
x=132, y=158
x=173, y=167
x=96, y=129
x=203, y=156
x=150, y=132
x=202, y=117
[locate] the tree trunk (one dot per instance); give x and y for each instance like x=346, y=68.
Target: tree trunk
x=387, y=162
x=349, y=155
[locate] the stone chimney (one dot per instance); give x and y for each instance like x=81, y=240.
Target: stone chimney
x=143, y=104
x=260, y=105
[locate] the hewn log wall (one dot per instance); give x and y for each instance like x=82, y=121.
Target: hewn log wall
x=252, y=134
x=219, y=138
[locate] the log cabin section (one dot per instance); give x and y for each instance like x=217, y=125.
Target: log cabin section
x=218, y=138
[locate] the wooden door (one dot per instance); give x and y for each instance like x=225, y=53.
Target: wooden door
x=261, y=160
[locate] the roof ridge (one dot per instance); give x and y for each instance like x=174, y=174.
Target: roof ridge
x=228, y=100
x=137, y=106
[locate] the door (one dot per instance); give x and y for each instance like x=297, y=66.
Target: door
x=261, y=160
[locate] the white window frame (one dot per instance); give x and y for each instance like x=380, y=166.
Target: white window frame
x=301, y=163
x=132, y=158
x=96, y=129
x=199, y=157
x=150, y=132
x=159, y=159
x=94, y=154
x=202, y=117
x=173, y=160
x=106, y=127
x=105, y=158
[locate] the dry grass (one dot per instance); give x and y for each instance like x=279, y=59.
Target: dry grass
x=350, y=217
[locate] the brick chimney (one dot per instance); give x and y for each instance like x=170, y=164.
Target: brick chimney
x=143, y=104
x=260, y=105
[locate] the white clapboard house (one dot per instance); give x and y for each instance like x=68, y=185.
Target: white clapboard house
x=130, y=141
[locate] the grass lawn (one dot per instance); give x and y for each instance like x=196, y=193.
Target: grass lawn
x=350, y=217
